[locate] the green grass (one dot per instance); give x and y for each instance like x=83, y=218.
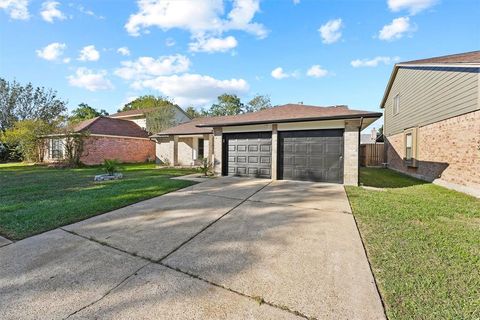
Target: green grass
x=35, y=199
x=423, y=243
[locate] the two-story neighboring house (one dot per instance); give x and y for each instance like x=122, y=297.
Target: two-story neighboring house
x=139, y=116
x=432, y=120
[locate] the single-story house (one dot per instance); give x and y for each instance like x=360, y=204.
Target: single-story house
x=432, y=120
x=293, y=141
x=106, y=138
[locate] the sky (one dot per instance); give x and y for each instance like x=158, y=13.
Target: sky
x=106, y=53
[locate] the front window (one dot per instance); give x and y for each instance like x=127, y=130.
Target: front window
x=57, y=149
x=396, y=104
x=408, y=146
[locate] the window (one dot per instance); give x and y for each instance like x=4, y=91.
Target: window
x=201, y=148
x=408, y=146
x=56, y=151
x=396, y=104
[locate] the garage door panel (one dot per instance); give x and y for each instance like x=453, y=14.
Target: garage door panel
x=249, y=154
x=314, y=155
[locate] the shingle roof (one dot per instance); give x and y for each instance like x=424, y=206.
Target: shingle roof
x=459, y=58
x=133, y=112
x=112, y=127
x=284, y=113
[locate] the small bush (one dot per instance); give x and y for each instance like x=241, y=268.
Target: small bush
x=111, y=166
x=206, y=166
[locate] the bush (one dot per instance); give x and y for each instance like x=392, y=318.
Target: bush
x=111, y=166
x=206, y=166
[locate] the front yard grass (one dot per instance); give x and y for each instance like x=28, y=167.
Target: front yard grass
x=423, y=243
x=35, y=199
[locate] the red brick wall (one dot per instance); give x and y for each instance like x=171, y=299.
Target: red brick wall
x=97, y=149
x=448, y=150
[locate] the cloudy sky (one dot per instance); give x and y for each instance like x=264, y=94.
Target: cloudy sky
x=316, y=51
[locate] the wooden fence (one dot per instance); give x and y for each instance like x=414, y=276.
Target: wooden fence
x=372, y=155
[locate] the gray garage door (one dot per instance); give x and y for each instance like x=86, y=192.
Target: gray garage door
x=248, y=154
x=315, y=155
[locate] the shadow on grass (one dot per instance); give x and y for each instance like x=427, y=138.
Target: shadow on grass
x=386, y=178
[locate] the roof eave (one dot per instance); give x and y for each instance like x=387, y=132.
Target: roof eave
x=342, y=117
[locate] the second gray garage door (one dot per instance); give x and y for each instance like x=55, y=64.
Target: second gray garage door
x=248, y=154
x=313, y=155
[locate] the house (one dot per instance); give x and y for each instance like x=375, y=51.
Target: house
x=432, y=120
x=139, y=116
x=293, y=141
x=369, y=138
x=106, y=138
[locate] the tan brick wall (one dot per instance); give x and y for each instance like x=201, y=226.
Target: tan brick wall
x=217, y=150
x=97, y=149
x=185, y=152
x=351, y=138
x=448, y=152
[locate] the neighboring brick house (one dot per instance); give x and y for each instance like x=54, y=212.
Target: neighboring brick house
x=107, y=138
x=291, y=142
x=432, y=120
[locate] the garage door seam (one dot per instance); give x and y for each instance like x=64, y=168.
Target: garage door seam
x=211, y=223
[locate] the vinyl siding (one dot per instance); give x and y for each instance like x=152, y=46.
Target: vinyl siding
x=429, y=95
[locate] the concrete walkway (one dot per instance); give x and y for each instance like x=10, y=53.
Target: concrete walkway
x=227, y=248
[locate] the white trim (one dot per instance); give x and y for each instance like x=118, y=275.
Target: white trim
x=311, y=125
x=441, y=65
x=248, y=128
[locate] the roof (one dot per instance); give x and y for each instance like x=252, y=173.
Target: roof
x=289, y=113
x=459, y=60
x=186, y=128
x=140, y=112
x=279, y=114
x=112, y=127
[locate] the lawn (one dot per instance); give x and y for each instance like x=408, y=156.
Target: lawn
x=35, y=199
x=423, y=243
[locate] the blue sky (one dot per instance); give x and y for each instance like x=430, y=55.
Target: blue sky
x=318, y=52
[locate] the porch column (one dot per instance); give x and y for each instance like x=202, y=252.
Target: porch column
x=174, y=150
x=274, y=150
x=217, y=151
x=351, y=138
x=208, y=146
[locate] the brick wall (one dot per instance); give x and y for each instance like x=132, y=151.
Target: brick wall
x=448, y=153
x=97, y=149
x=351, y=138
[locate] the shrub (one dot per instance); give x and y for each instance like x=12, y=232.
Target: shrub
x=110, y=166
x=206, y=166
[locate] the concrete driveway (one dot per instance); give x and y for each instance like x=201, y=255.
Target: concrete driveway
x=228, y=248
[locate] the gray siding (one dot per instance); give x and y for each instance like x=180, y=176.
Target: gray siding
x=431, y=94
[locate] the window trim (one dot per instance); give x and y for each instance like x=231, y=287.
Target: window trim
x=413, y=160
x=396, y=104
x=58, y=152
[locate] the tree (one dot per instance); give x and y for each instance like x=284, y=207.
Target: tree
x=160, y=119
x=26, y=136
x=147, y=102
x=192, y=113
x=18, y=103
x=227, y=105
x=85, y=112
x=258, y=103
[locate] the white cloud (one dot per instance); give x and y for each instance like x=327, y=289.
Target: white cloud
x=316, y=71
x=193, y=89
x=169, y=42
x=296, y=2
x=205, y=17
x=278, y=73
x=90, y=80
x=413, y=6
x=85, y=11
x=124, y=51
x=331, y=31
x=52, y=52
x=396, y=29
x=50, y=12
x=373, y=62
x=213, y=44
x=16, y=9
x=145, y=67
x=89, y=53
